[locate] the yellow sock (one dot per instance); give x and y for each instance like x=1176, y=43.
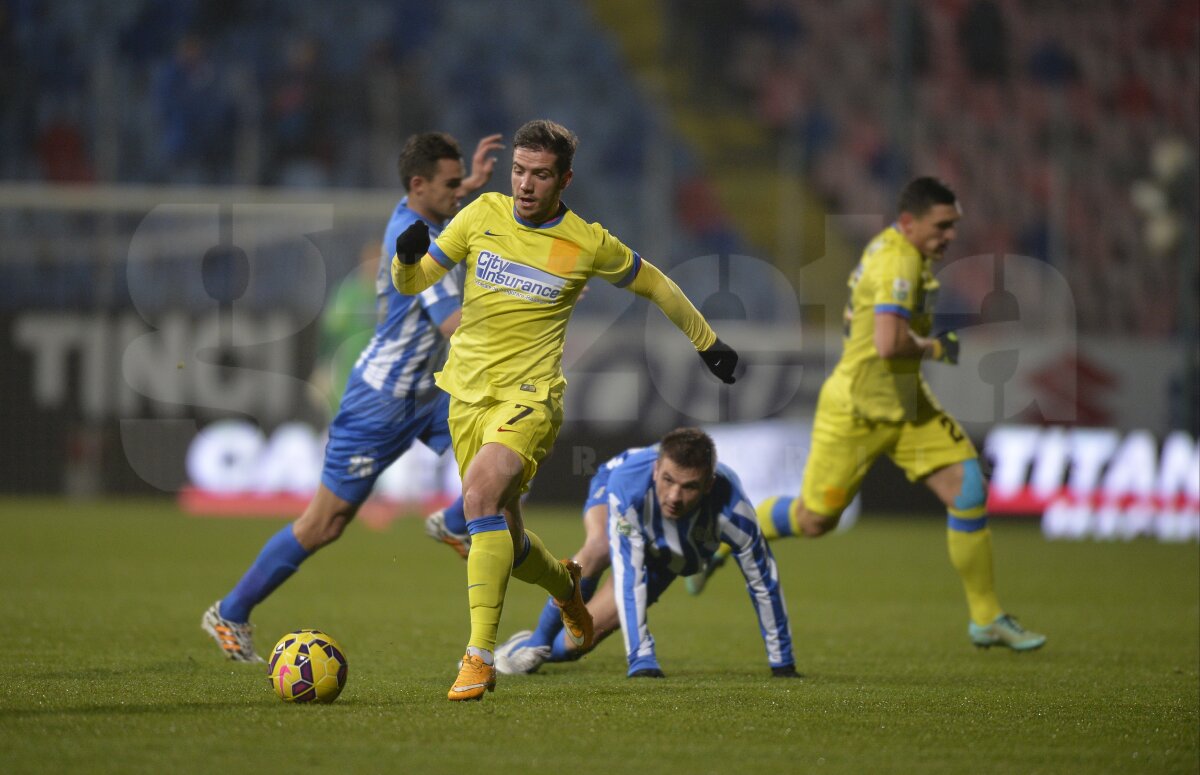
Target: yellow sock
x=488, y=566
x=542, y=568
x=971, y=556
x=778, y=517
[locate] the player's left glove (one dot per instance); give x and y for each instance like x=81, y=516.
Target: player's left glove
x=413, y=243
x=785, y=671
x=945, y=348
x=721, y=360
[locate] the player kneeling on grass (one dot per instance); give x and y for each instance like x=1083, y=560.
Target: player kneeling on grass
x=667, y=508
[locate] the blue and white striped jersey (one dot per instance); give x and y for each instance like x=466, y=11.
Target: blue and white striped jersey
x=399, y=362
x=649, y=550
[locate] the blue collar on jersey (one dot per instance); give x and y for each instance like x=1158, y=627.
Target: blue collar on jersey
x=557, y=219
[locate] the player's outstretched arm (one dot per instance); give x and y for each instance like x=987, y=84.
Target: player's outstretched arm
x=761, y=573
x=652, y=284
x=482, y=164
x=413, y=269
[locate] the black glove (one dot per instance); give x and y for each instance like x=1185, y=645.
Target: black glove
x=785, y=671
x=721, y=360
x=648, y=672
x=947, y=349
x=413, y=243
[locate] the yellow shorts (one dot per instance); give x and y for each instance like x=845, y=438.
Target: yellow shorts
x=528, y=428
x=844, y=445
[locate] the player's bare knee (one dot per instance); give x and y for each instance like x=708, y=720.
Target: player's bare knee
x=479, y=502
x=963, y=487
x=315, y=528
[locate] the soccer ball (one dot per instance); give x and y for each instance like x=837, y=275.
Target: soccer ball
x=307, y=666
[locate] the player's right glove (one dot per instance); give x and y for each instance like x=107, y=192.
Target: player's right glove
x=648, y=672
x=721, y=360
x=413, y=243
x=785, y=671
x=945, y=348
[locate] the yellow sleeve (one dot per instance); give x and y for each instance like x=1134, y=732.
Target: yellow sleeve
x=897, y=283
x=652, y=284
x=613, y=260
x=413, y=278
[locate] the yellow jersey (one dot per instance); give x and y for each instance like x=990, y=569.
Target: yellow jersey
x=892, y=277
x=522, y=282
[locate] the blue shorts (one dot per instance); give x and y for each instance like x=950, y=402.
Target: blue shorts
x=358, y=451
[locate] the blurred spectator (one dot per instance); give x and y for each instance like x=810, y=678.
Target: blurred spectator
x=15, y=94
x=62, y=150
x=1052, y=65
x=197, y=115
x=152, y=34
x=983, y=37
x=300, y=114
x=703, y=217
x=1133, y=97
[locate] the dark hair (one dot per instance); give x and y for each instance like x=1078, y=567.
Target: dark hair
x=689, y=448
x=545, y=135
x=923, y=193
x=422, y=152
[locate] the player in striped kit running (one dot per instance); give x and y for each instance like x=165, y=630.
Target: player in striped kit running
x=668, y=508
x=390, y=401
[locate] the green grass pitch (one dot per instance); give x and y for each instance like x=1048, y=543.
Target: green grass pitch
x=105, y=668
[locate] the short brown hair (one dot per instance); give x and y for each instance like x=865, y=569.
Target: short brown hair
x=689, y=448
x=422, y=152
x=545, y=135
x=921, y=194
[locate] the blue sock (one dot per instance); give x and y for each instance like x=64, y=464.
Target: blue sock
x=277, y=561
x=559, y=652
x=456, y=518
x=550, y=622
x=587, y=587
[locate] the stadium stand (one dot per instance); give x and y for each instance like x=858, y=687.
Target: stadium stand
x=1070, y=105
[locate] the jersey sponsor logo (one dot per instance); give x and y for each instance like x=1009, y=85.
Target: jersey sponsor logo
x=360, y=466
x=506, y=430
x=598, y=494
x=623, y=527
x=491, y=233
x=529, y=388
x=900, y=289
x=524, y=282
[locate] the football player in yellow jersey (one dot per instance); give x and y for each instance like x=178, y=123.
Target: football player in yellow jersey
x=527, y=259
x=877, y=403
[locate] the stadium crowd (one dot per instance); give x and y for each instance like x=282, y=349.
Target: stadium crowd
x=1043, y=116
